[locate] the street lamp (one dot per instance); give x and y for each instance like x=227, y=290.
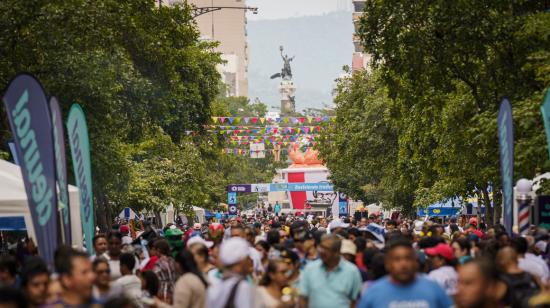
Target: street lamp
x=524, y=188
x=198, y=11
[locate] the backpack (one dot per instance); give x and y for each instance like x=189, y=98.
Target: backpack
x=520, y=288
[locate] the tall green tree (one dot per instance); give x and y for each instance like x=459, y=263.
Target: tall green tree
x=446, y=65
x=136, y=70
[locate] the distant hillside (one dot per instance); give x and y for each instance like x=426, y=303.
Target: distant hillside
x=321, y=44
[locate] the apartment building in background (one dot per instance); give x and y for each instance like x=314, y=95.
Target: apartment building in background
x=228, y=27
x=360, y=59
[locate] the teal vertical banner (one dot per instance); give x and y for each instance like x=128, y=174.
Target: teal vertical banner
x=545, y=110
x=61, y=169
x=77, y=131
x=29, y=116
x=506, y=147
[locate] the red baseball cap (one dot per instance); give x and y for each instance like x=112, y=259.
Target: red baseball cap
x=124, y=229
x=442, y=250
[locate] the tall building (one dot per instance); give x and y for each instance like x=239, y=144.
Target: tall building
x=343, y=5
x=360, y=59
x=228, y=27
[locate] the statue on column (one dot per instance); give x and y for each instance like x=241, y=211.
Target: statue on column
x=286, y=71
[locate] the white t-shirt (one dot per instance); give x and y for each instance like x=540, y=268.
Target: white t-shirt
x=218, y=294
x=256, y=257
x=446, y=277
x=114, y=266
x=128, y=285
x=266, y=300
x=534, y=266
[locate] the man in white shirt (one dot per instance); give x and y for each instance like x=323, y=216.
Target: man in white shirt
x=528, y=262
x=440, y=258
x=128, y=284
x=234, y=255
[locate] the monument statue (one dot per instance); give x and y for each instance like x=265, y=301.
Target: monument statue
x=286, y=71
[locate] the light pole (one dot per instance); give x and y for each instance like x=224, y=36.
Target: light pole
x=524, y=188
x=198, y=11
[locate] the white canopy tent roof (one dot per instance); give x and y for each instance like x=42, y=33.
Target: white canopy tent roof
x=13, y=201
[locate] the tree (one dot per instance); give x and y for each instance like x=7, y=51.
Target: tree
x=238, y=106
x=135, y=69
x=361, y=148
x=446, y=65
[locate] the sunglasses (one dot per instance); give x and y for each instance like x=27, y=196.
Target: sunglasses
x=103, y=272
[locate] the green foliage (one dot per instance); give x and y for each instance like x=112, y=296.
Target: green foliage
x=163, y=172
x=238, y=106
x=362, y=147
x=446, y=65
x=143, y=78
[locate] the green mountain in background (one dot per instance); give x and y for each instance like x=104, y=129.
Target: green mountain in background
x=321, y=44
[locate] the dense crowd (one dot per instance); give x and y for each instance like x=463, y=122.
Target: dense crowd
x=290, y=261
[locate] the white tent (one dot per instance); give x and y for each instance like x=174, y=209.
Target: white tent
x=13, y=201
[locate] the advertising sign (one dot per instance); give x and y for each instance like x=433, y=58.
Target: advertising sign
x=239, y=188
x=30, y=122
x=506, y=147
x=542, y=215
x=343, y=204
x=545, y=110
x=61, y=169
x=77, y=131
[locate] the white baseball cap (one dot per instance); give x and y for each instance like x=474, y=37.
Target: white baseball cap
x=234, y=250
x=198, y=239
x=337, y=223
x=348, y=246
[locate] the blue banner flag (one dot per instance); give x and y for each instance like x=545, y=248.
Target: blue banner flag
x=77, y=131
x=545, y=109
x=506, y=146
x=61, y=169
x=29, y=117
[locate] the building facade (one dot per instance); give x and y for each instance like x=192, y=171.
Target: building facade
x=228, y=27
x=360, y=59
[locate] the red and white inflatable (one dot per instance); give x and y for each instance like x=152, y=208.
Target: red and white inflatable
x=307, y=168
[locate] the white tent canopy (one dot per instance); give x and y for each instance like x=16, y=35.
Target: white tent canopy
x=13, y=201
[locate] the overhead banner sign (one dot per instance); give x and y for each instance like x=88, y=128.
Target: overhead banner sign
x=77, y=132
x=29, y=117
x=61, y=169
x=260, y=187
x=246, y=188
x=239, y=188
x=545, y=110
x=506, y=147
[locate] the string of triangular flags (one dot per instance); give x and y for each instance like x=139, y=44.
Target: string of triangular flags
x=273, y=137
x=236, y=151
x=235, y=130
x=263, y=120
x=265, y=142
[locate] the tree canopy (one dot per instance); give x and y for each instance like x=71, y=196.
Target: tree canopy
x=441, y=68
x=143, y=78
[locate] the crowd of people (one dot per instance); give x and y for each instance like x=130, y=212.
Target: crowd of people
x=283, y=261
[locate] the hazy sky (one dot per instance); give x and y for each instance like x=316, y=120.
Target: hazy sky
x=278, y=9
